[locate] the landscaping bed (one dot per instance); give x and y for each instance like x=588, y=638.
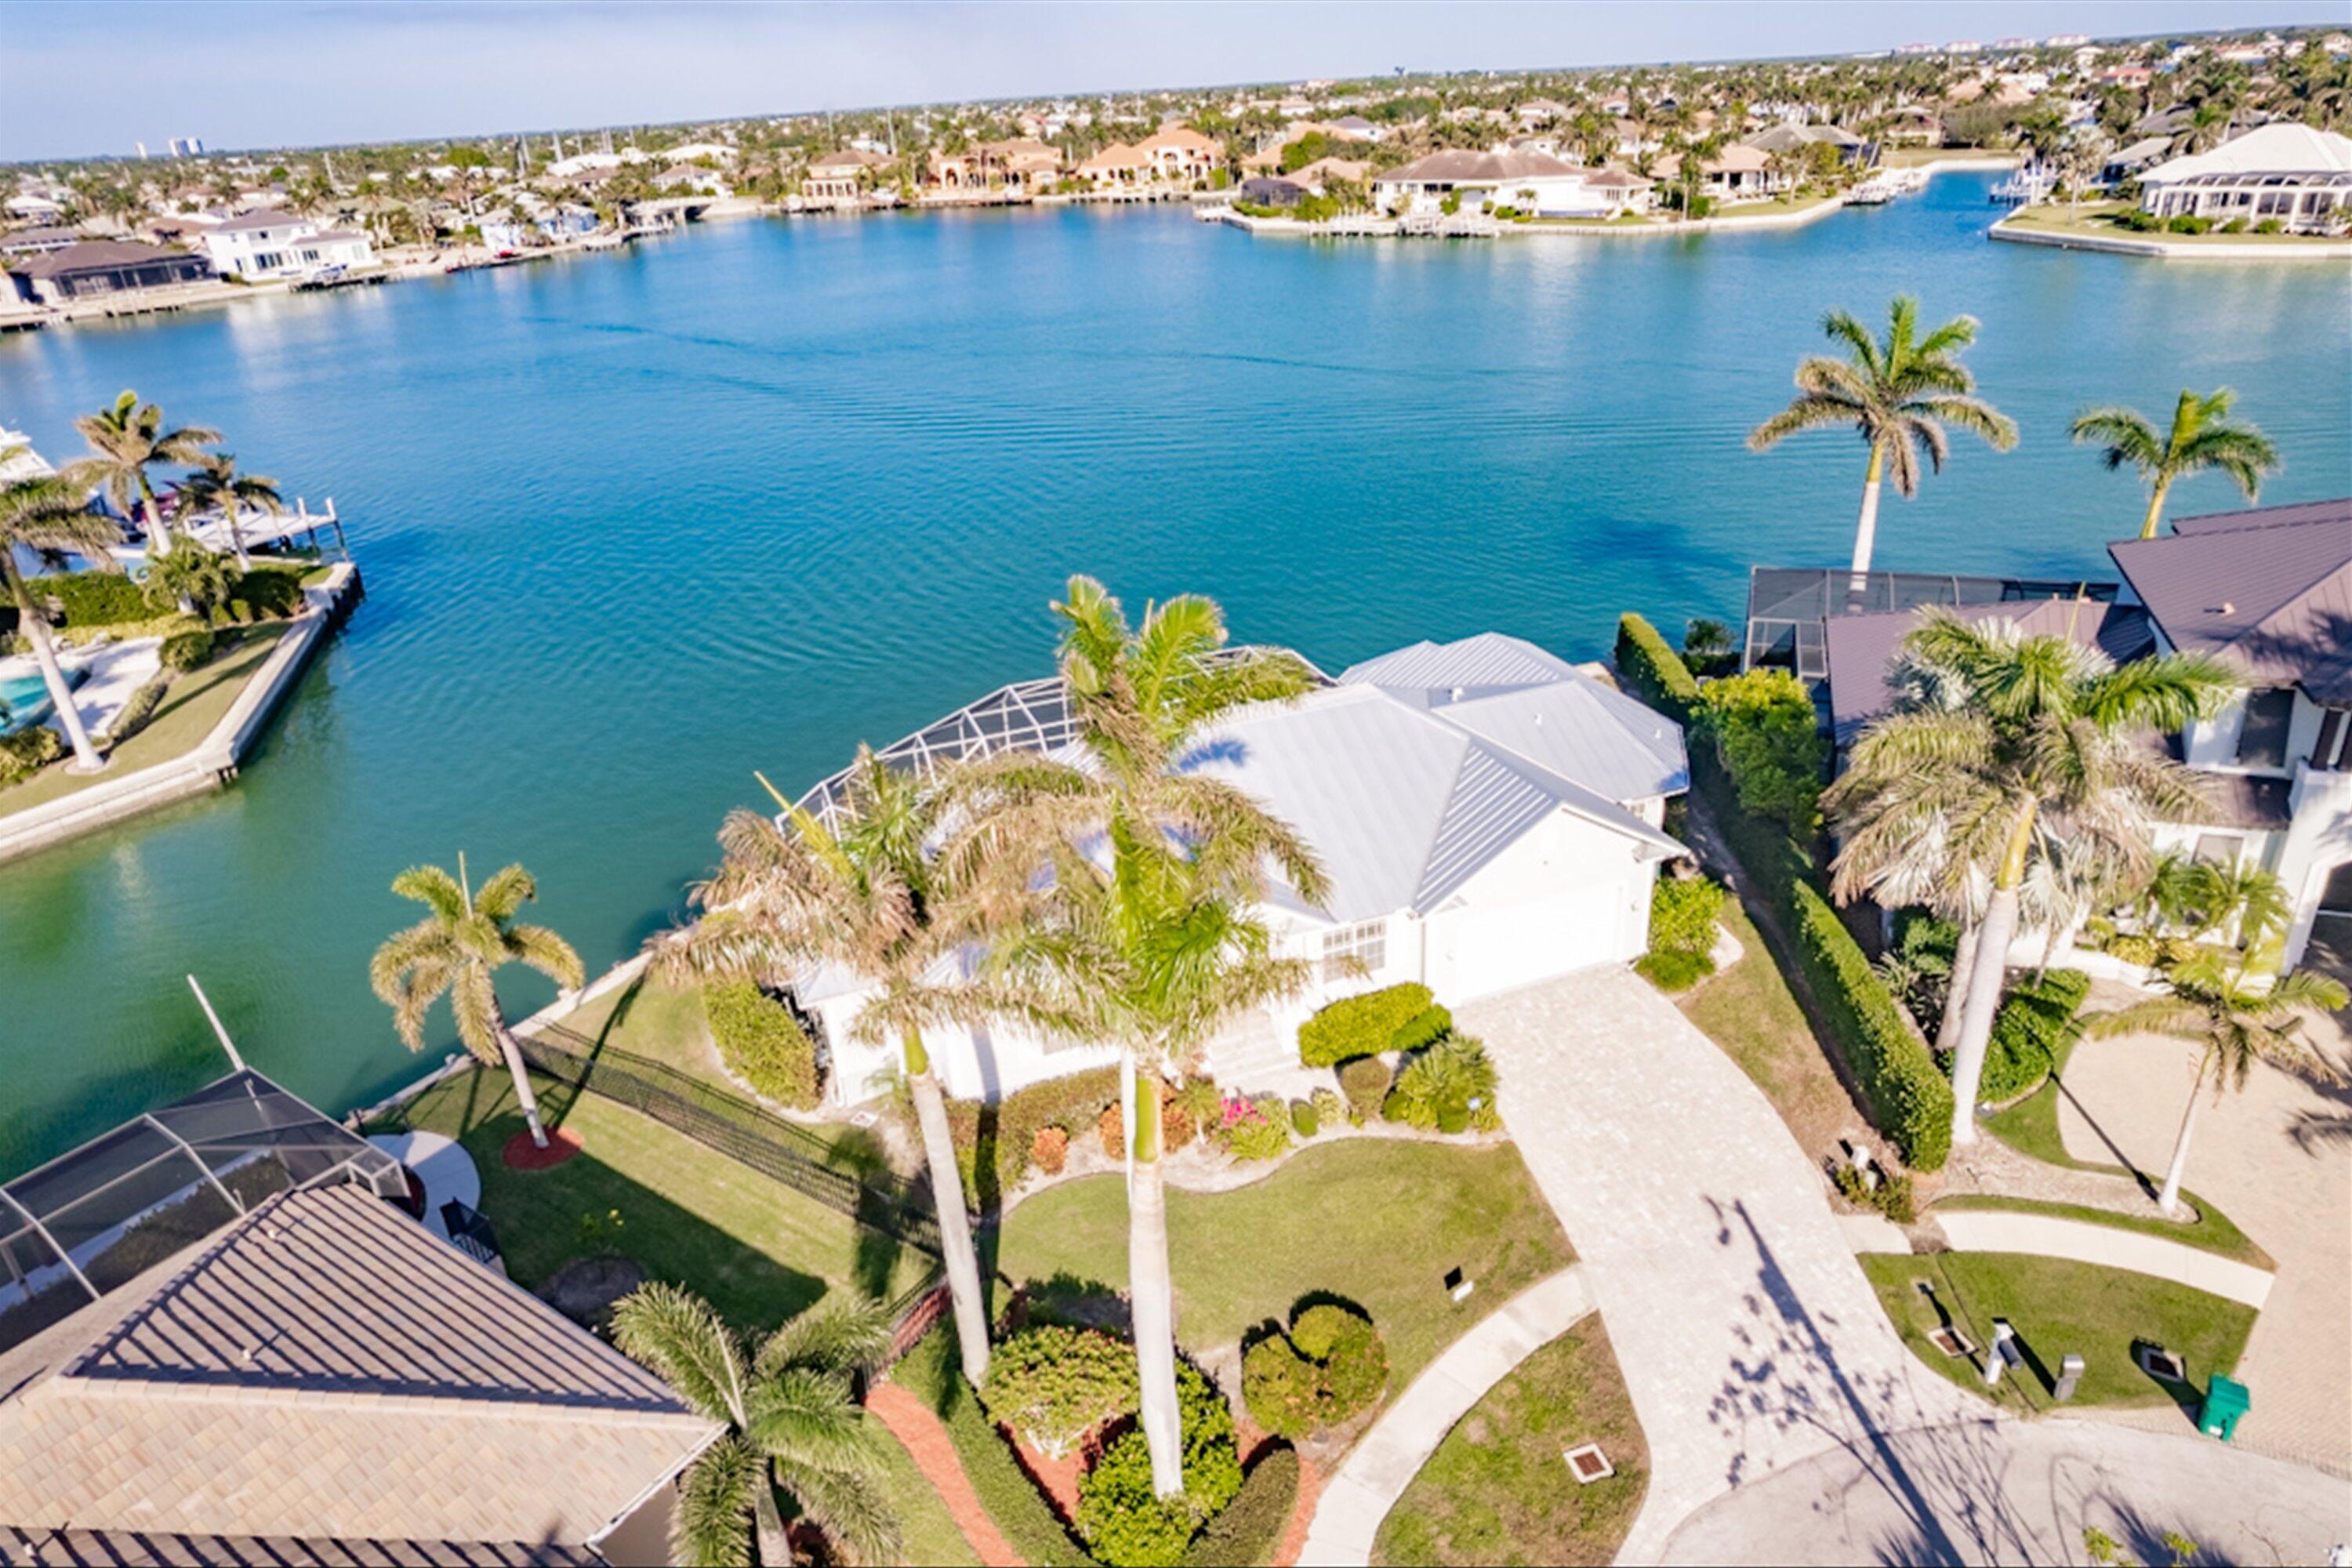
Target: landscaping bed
x=1498, y=1488
x=2059, y=1307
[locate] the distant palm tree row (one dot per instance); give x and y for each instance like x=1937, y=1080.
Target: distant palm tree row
x=50, y=514
x=1904, y=394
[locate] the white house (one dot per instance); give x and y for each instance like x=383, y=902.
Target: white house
x=2296, y=175
x=260, y=246
x=1489, y=814
x=1532, y=182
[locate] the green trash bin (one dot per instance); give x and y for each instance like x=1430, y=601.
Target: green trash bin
x=2226, y=1404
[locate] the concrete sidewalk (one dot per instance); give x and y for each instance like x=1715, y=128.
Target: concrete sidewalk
x=1386, y=1458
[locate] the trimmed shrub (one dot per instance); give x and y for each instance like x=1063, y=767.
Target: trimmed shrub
x=1303, y=1120
x=1655, y=670
x=1177, y=1127
x=1330, y=1109
x=2034, y=1021
x=1439, y=1086
x=1120, y=1516
x=137, y=710
x=1251, y=1530
x=1110, y=1129
x=762, y=1043
x=93, y=598
x=1682, y=913
x=992, y=1151
x=1766, y=731
x=1053, y=1385
x=1370, y=1024
x=1050, y=1150
x=1332, y=1365
x=2135, y=947
x=1365, y=1081
x=1892, y=1197
x=1673, y=971
x=1012, y=1500
x=26, y=751
x=186, y=650
x=1910, y=1101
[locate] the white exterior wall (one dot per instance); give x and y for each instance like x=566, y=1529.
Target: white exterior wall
x=1571, y=895
x=973, y=1064
x=290, y=251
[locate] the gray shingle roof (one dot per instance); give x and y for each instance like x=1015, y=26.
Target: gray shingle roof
x=2269, y=590
x=1455, y=165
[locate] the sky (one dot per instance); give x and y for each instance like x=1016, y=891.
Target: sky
x=94, y=76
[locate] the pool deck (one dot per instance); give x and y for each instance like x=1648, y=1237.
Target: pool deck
x=212, y=762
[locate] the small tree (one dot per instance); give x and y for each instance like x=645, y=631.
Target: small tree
x=1769, y=737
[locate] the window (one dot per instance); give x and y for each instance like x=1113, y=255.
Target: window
x=2262, y=739
x=1367, y=943
x=2334, y=750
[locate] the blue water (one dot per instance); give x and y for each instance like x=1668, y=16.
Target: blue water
x=635, y=524
x=25, y=700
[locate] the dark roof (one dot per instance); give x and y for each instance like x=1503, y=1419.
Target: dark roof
x=97, y=254
x=2269, y=590
x=1861, y=648
x=2242, y=800
x=1273, y=193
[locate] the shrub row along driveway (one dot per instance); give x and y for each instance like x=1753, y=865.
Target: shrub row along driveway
x=1752, y=1344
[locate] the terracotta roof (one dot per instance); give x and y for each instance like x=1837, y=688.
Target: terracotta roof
x=328, y=1369
x=82, y=1548
x=2269, y=590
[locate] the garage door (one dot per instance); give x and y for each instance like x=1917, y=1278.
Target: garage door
x=1480, y=951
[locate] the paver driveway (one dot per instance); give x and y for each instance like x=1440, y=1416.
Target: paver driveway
x=1749, y=1338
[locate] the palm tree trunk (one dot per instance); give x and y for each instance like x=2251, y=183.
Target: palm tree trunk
x=512, y=1051
x=1865, y=528
x=2168, y=1200
x=1152, y=1291
x=1991, y=967
x=2155, y=509
x=236, y=534
x=955, y=1222
x=1964, y=960
x=775, y=1547
x=53, y=676
x=159, y=538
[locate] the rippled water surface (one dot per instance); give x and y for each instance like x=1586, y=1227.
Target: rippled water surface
x=635, y=524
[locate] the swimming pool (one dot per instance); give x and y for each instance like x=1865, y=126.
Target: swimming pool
x=24, y=698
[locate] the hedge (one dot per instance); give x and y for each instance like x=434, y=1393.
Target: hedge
x=186, y=650
x=762, y=1043
x=1004, y=1147
x=1908, y=1096
x=137, y=710
x=1656, y=671
x=94, y=598
x=1395, y=1017
x=1251, y=1530
x=2033, y=1023
x=1012, y=1500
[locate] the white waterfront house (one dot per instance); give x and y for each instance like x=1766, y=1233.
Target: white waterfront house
x=2296, y=175
x=1489, y=815
x=1529, y=181
x=259, y=247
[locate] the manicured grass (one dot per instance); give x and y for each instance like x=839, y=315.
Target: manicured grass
x=654, y=1018
x=927, y=1533
x=1775, y=208
x=194, y=703
x=2098, y=219
x=1750, y=1011
x=758, y=1251
x=1498, y=1489
x=2059, y=1307
x=1376, y=1220
x=2212, y=1232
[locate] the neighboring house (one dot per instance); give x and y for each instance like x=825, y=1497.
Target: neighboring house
x=1532, y=182
x=35, y=241
x=1020, y=164
x=1324, y=171
x=1794, y=139
x=221, y=1343
x=258, y=247
x=842, y=176
x=2133, y=157
x=2295, y=174
x=92, y=267
x=1267, y=192
x=1490, y=816
x=1182, y=155
x=1354, y=128
x=2269, y=593
x=689, y=177
x=1741, y=172
x=1117, y=164
x=30, y=207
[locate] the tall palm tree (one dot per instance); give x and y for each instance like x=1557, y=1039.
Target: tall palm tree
x=46, y=511
x=216, y=482
x=126, y=441
x=792, y=1417
x=455, y=949
x=869, y=896
x=2202, y=436
x=2236, y=1015
x=1899, y=395
x=1149, y=939
x=2051, y=744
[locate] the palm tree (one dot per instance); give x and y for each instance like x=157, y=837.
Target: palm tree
x=457, y=949
x=2202, y=436
x=1149, y=939
x=40, y=512
x=1900, y=395
x=127, y=440
x=792, y=1417
x=2050, y=745
x=869, y=897
x=2236, y=1014
x=216, y=482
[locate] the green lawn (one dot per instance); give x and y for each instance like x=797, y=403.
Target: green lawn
x=1498, y=1491
x=653, y=1018
x=2059, y=1307
x=2098, y=219
x=1750, y=1011
x=1775, y=208
x=760, y=1251
x=1376, y=1220
x=192, y=704
x=928, y=1534
x=2211, y=1231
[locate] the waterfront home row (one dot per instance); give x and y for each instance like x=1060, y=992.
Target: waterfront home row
x=2297, y=177
x=1489, y=815
x=2266, y=591
x=261, y=247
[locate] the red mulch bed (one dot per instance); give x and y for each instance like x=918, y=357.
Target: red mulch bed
x=522, y=1154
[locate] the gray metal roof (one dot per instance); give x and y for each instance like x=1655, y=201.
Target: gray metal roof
x=1861, y=648
x=2269, y=590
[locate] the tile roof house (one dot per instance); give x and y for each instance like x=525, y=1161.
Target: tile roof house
x=1489, y=814
x=315, y=1377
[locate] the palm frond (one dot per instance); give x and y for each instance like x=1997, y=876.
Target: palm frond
x=713, y=1525
x=678, y=1335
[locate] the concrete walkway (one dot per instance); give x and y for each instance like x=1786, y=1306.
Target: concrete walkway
x=1751, y=1340
x=2110, y=1246
x=1386, y=1458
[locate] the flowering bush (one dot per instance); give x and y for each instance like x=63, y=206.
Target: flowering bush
x=1249, y=1134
